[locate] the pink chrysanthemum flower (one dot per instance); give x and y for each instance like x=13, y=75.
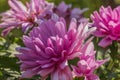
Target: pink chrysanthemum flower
x=87, y=64
x=107, y=22
x=49, y=47
x=24, y=15
x=66, y=11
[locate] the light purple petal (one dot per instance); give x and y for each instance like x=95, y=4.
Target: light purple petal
x=105, y=42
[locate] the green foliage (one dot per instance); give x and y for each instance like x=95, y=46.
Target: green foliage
x=3, y=5
x=8, y=67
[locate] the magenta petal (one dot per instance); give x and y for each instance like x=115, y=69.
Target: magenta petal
x=84, y=66
x=62, y=74
x=45, y=72
x=87, y=49
x=28, y=74
x=6, y=31
x=61, y=28
x=73, y=24
x=92, y=77
x=28, y=42
x=105, y=42
x=100, y=62
x=17, y=5
x=99, y=34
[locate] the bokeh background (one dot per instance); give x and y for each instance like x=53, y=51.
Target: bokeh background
x=9, y=70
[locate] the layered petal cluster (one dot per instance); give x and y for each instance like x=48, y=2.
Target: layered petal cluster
x=87, y=64
x=49, y=47
x=24, y=15
x=66, y=11
x=107, y=22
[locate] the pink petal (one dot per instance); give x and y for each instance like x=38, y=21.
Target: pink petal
x=17, y=5
x=62, y=74
x=28, y=74
x=92, y=77
x=105, y=42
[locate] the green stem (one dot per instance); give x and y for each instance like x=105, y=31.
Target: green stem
x=113, y=54
x=111, y=64
x=114, y=50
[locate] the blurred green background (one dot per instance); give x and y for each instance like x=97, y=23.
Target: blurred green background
x=9, y=70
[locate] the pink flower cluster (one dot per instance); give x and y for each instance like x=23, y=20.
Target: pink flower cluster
x=49, y=47
x=34, y=12
x=107, y=23
x=87, y=64
x=26, y=16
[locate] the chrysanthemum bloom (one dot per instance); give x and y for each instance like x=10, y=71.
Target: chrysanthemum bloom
x=107, y=22
x=66, y=11
x=49, y=47
x=87, y=64
x=24, y=15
